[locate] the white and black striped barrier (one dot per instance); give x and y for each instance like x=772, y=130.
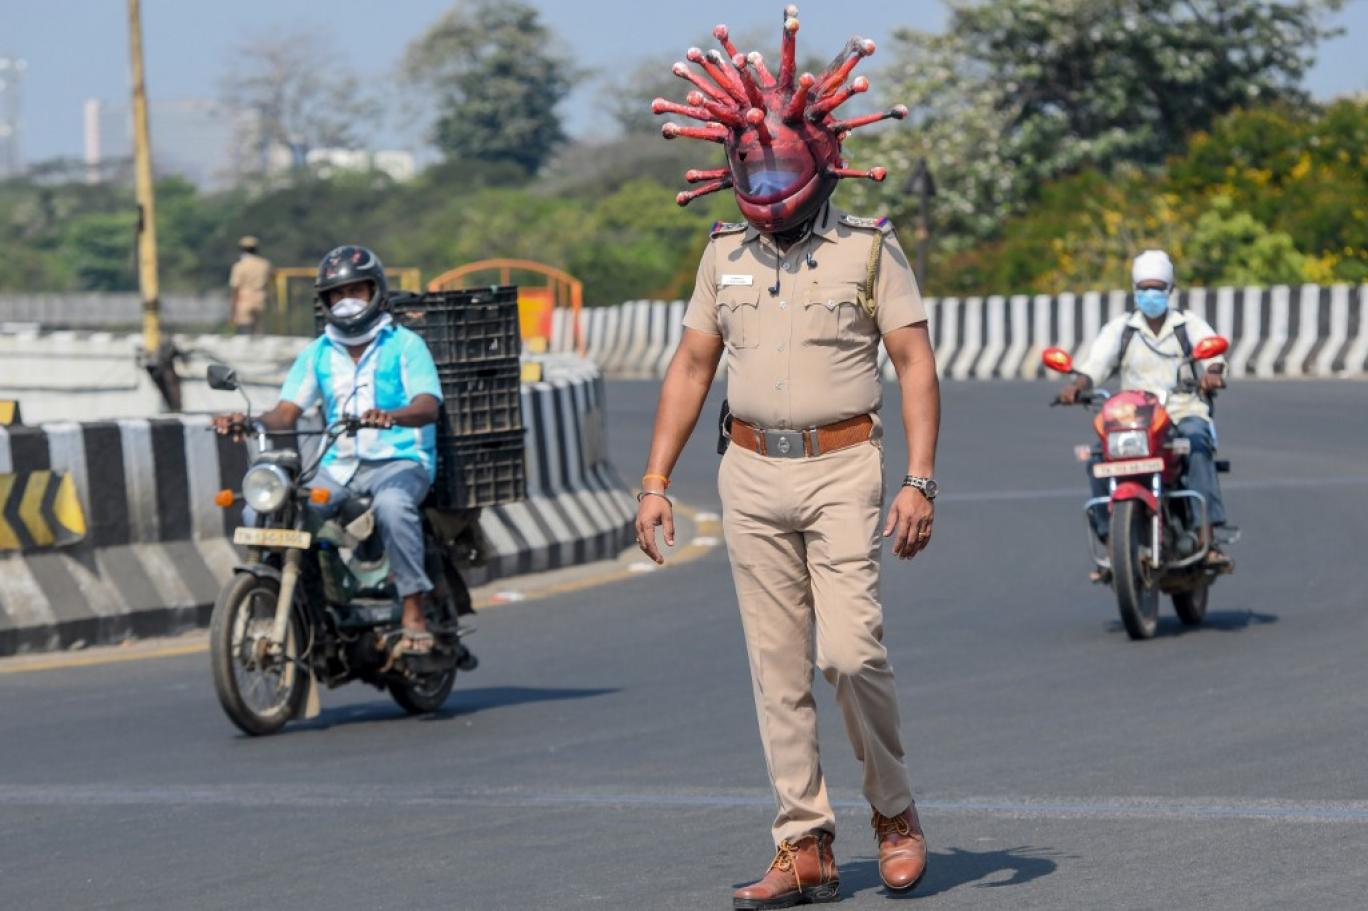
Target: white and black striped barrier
x=1306, y=331
x=148, y=549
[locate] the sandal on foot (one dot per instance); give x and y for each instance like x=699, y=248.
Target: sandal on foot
x=414, y=642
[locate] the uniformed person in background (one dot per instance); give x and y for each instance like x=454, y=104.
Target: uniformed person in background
x=248, y=282
x=799, y=296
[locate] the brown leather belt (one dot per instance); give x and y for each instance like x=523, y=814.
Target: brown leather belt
x=799, y=444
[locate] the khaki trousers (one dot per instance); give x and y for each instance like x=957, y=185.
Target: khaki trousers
x=804, y=540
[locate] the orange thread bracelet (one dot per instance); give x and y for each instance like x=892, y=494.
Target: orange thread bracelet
x=657, y=477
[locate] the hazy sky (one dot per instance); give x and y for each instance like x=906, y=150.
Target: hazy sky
x=77, y=49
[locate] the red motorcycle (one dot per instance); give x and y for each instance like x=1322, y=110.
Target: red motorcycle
x=1159, y=533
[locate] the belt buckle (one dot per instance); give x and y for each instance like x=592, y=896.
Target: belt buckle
x=785, y=444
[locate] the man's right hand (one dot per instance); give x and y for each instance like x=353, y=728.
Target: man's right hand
x=230, y=423
x=652, y=512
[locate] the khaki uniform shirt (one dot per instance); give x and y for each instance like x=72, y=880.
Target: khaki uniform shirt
x=1152, y=361
x=807, y=355
x=249, y=277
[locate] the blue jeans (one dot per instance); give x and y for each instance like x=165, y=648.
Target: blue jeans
x=1200, y=477
x=397, y=488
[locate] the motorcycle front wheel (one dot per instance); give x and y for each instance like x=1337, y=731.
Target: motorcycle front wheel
x=259, y=690
x=1137, y=597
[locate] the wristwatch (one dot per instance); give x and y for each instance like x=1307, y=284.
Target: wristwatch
x=928, y=486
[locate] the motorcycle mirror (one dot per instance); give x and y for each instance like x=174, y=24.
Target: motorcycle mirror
x=221, y=376
x=1211, y=346
x=1057, y=359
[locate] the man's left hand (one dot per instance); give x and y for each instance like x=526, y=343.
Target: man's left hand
x=909, y=522
x=377, y=418
x=1211, y=381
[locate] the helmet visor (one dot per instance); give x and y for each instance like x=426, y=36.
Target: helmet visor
x=767, y=176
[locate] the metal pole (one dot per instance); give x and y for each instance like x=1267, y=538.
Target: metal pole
x=159, y=355
x=924, y=187
x=923, y=235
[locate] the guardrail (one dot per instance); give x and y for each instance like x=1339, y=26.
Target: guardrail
x=1304, y=331
x=106, y=310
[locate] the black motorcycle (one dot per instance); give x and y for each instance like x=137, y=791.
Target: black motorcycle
x=313, y=602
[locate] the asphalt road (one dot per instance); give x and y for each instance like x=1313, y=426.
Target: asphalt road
x=605, y=756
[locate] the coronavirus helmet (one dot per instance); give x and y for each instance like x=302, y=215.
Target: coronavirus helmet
x=780, y=131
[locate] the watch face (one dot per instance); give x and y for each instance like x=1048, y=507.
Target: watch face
x=931, y=489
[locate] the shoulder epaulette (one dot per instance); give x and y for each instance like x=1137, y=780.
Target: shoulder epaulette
x=726, y=227
x=882, y=223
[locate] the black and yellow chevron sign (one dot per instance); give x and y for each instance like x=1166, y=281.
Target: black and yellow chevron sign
x=9, y=413
x=40, y=509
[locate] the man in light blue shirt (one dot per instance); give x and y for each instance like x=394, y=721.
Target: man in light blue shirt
x=366, y=365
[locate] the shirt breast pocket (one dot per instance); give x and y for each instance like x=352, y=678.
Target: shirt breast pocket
x=833, y=316
x=738, y=315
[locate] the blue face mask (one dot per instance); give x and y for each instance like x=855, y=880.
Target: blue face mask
x=1152, y=302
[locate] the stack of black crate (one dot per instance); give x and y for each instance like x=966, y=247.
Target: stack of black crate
x=476, y=344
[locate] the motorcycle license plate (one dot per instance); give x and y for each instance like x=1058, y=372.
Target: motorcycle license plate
x=1132, y=466
x=272, y=537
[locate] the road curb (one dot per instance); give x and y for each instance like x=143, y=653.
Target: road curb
x=700, y=531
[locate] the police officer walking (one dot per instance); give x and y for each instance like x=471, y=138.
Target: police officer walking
x=248, y=281
x=799, y=296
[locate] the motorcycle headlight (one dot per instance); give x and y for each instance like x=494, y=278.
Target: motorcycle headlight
x=1128, y=444
x=265, y=487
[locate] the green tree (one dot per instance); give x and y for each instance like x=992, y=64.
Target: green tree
x=495, y=82
x=1274, y=194
x=100, y=247
x=643, y=244
x=1017, y=92
x=1230, y=247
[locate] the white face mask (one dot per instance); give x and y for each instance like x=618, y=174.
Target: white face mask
x=348, y=307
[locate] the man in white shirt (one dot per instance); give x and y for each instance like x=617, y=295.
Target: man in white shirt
x=1148, y=347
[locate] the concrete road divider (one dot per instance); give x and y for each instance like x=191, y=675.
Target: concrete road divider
x=1303, y=331
x=155, y=549
x=39, y=509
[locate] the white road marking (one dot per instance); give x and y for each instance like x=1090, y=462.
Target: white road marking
x=350, y=795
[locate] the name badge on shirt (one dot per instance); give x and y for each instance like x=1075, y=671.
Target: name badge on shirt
x=737, y=280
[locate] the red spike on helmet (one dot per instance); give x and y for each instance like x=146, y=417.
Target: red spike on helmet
x=782, y=139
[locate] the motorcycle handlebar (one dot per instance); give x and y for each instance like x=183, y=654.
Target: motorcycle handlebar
x=1083, y=398
x=243, y=428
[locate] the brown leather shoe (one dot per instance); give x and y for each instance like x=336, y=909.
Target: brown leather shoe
x=902, y=849
x=802, y=873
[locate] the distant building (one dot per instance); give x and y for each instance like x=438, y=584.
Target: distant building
x=192, y=138
x=11, y=84
x=213, y=146
x=398, y=165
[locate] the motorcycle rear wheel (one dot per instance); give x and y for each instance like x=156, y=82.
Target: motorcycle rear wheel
x=1191, y=605
x=258, y=699
x=426, y=695
x=1137, y=596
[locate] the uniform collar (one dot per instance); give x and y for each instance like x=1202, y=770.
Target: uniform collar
x=825, y=227
x=828, y=223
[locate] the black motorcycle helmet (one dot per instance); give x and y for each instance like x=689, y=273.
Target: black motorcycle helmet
x=343, y=266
